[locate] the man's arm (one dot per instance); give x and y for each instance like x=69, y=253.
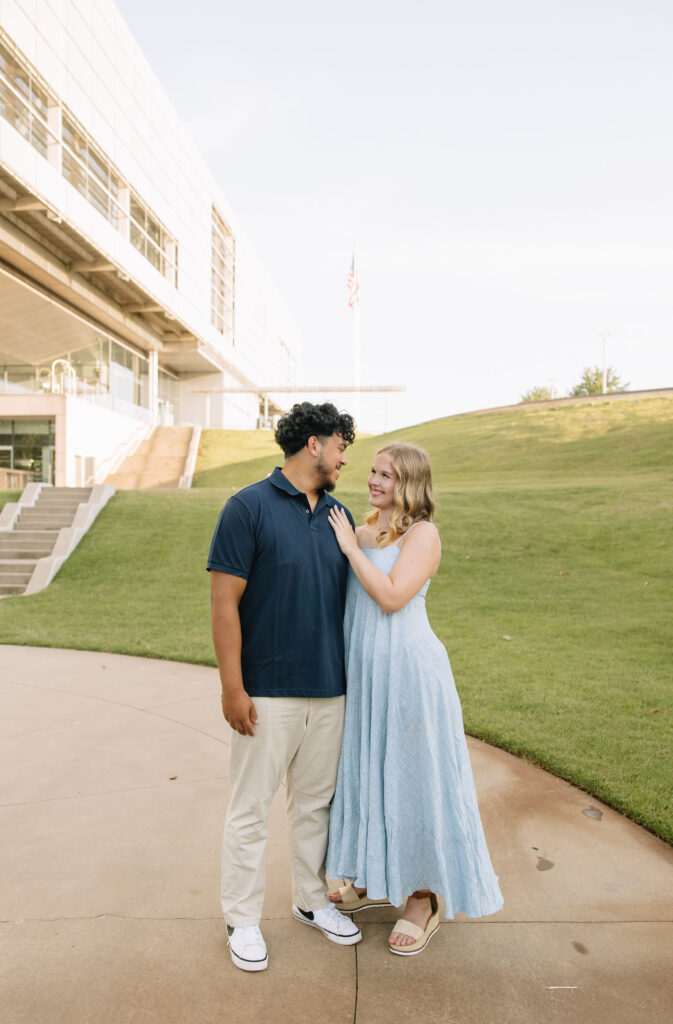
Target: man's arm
x=226, y=592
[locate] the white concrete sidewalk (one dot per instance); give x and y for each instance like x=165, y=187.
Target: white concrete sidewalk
x=113, y=788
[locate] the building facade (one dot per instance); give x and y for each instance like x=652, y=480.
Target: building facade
x=129, y=297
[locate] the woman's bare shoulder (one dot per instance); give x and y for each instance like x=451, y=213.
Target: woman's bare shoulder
x=420, y=532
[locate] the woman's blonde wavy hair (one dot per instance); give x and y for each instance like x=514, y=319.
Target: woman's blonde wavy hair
x=412, y=492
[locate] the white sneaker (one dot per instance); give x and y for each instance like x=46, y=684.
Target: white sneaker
x=248, y=948
x=335, y=926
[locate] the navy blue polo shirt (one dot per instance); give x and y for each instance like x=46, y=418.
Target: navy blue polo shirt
x=292, y=607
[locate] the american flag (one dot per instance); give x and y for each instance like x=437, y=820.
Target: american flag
x=353, y=283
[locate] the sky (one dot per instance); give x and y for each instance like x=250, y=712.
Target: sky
x=506, y=170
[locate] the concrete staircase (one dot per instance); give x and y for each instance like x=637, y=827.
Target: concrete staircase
x=158, y=462
x=34, y=534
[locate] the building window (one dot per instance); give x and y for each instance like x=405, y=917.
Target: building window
x=23, y=101
x=150, y=237
x=27, y=451
x=104, y=372
x=85, y=167
x=29, y=109
x=167, y=397
x=222, y=277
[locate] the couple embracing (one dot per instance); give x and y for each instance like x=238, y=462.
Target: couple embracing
x=333, y=680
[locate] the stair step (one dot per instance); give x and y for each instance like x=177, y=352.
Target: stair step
x=158, y=451
x=154, y=464
x=143, y=481
x=59, y=500
x=55, y=505
x=29, y=514
x=53, y=525
x=12, y=588
x=62, y=519
x=49, y=508
x=30, y=536
x=11, y=578
x=23, y=551
x=65, y=494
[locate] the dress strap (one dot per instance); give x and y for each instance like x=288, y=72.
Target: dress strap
x=408, y=531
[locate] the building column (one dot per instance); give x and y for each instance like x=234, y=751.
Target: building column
x=154, y=386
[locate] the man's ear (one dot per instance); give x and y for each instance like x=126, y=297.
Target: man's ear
x=314, y=446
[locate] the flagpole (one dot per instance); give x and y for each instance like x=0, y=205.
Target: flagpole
x=356, y=338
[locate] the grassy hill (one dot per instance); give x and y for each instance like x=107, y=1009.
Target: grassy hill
x=594, y=441
x=553, y=598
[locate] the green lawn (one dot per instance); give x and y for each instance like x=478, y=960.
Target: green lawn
x=6, y=496
x=556, y=531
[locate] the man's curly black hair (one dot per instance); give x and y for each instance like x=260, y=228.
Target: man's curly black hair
x=305, y=420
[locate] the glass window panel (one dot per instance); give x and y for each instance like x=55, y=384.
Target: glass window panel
x=154, y=231
x=16, y=112
x=149, y=237
x=137, y=238
x=15, y=74
x=89, y=171
x=222, y=276
x=25, y=116
x=137, y=212
x=74, y=173
x=67, y=131
x=39, y=137
x=22, y=121
x=39, y=100
x=77, y=143
x=6, y=61
x=33, y=428
x=98, y=167
x=120, y=355
x=154, y=256
x=98, y=197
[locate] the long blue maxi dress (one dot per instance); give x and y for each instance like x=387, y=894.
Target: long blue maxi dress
x=404, y=814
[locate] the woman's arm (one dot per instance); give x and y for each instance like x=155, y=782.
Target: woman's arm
x=417, y=562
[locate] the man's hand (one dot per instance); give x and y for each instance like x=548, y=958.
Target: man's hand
x=237, y=707
x=239, y=712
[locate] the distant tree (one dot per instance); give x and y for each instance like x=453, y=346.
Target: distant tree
x=591, y=382
x=537, y=395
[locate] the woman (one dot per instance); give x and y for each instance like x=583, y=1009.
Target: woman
x=404, y=820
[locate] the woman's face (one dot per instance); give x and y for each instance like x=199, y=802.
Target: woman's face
x=381, y=482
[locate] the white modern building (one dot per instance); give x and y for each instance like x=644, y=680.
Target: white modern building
x=128, y=295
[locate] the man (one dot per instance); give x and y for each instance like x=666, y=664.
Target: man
x=278, y=582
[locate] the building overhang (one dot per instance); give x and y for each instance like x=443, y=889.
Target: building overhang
x=37, y=327
x=62, y=275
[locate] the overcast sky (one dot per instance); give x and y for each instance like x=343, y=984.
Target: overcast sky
x=506, y=169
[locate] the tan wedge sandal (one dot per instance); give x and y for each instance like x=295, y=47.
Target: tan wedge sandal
x=350, y=902
x=421, y=935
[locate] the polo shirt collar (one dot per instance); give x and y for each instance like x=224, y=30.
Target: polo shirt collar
x=279, y=480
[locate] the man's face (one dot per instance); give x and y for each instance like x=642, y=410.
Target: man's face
x=330, y=460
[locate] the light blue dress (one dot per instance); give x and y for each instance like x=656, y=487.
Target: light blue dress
x=404, y=814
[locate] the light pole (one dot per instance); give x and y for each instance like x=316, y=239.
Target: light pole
x=605, y=335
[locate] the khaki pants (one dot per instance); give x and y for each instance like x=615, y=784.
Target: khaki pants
x=299, y=737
